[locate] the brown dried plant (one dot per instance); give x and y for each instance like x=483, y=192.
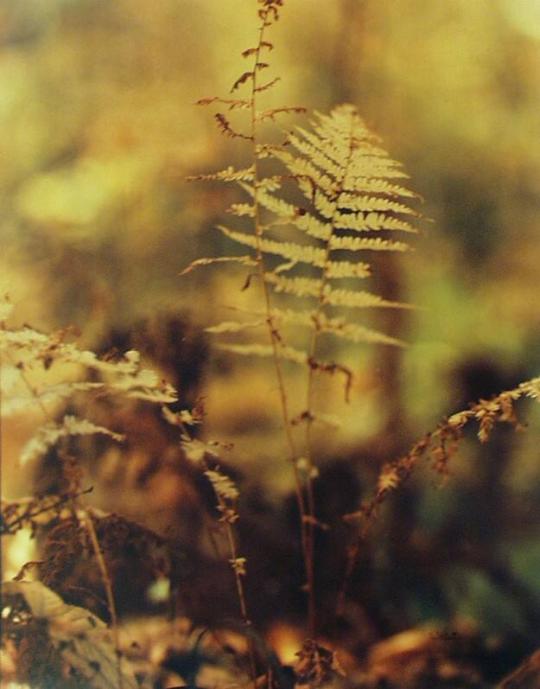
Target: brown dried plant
x=27, y=357
x=438, y=447
x=204, y=456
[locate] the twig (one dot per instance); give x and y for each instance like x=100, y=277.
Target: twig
x=266, y=16
x=107, y=584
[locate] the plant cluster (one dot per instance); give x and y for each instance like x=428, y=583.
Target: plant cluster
x=316, y=206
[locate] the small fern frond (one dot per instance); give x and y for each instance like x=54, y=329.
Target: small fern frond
x=273, y=112
x=366, y=204
x=233, y=326
x=313, y=148
x=267, y=85
x=243, y=260
x=358, y=299
x=232, y=103
x=372, y=168
x=307, y=169
x=242, y=210
x=347, y=269
x=299, y=286
x=372, y=185
x=229, y=174
x=284, y=352
x=288, y=213
x=366, y=222
x=355, y=333
x=49, y=435
x=531, y=388
x=335, y=326
x=289, y=250
x=323, y=205
x=227, y=129
x=365, y=244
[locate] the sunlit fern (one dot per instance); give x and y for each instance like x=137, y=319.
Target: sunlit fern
x=353, y=202
x=339, y=199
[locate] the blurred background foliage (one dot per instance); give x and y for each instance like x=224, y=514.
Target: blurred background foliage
x=100, y=131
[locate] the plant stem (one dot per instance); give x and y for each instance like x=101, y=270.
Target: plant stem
x=229, y=515
x=303, y=508
x=233, y=552
x=312, y=352
x=107, y=585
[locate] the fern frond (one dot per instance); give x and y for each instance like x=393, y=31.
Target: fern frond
x=315, y=149
x=242, y=79
x=312, y=226
x=362, y=299
x=311, y=287
x=234, y=326
x=248, y=52
x=243, y=260
x=367, y=204
x=323, y=205
x=346, y=269
x=343, y=171
x=356, y=333
x=335, y=326
x=16, y=403
x=266, y=86
x=333, y=147
x=229, y=174
x=366, y=244
x=531, y=388
x=226, y=128
x=438, y=446
x=232, y=103
x=49, y=434
x=296, y=316
x=299, y=286
x=289, y=213
x=283, y=352
x=289, y=250
x=369, y=185
x=305, y=168
x=273, y=112
x=366, y=166
x=242, y=209
x=350, y=186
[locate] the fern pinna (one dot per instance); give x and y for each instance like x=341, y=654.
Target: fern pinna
x=339, y=197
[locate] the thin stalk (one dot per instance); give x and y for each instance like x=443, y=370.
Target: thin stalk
x=274, y=341
x=312, y=352
x=107, y=585
x=233, y=552
x=229, y=516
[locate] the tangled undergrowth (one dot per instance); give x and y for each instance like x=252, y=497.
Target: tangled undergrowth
x=98, y=559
